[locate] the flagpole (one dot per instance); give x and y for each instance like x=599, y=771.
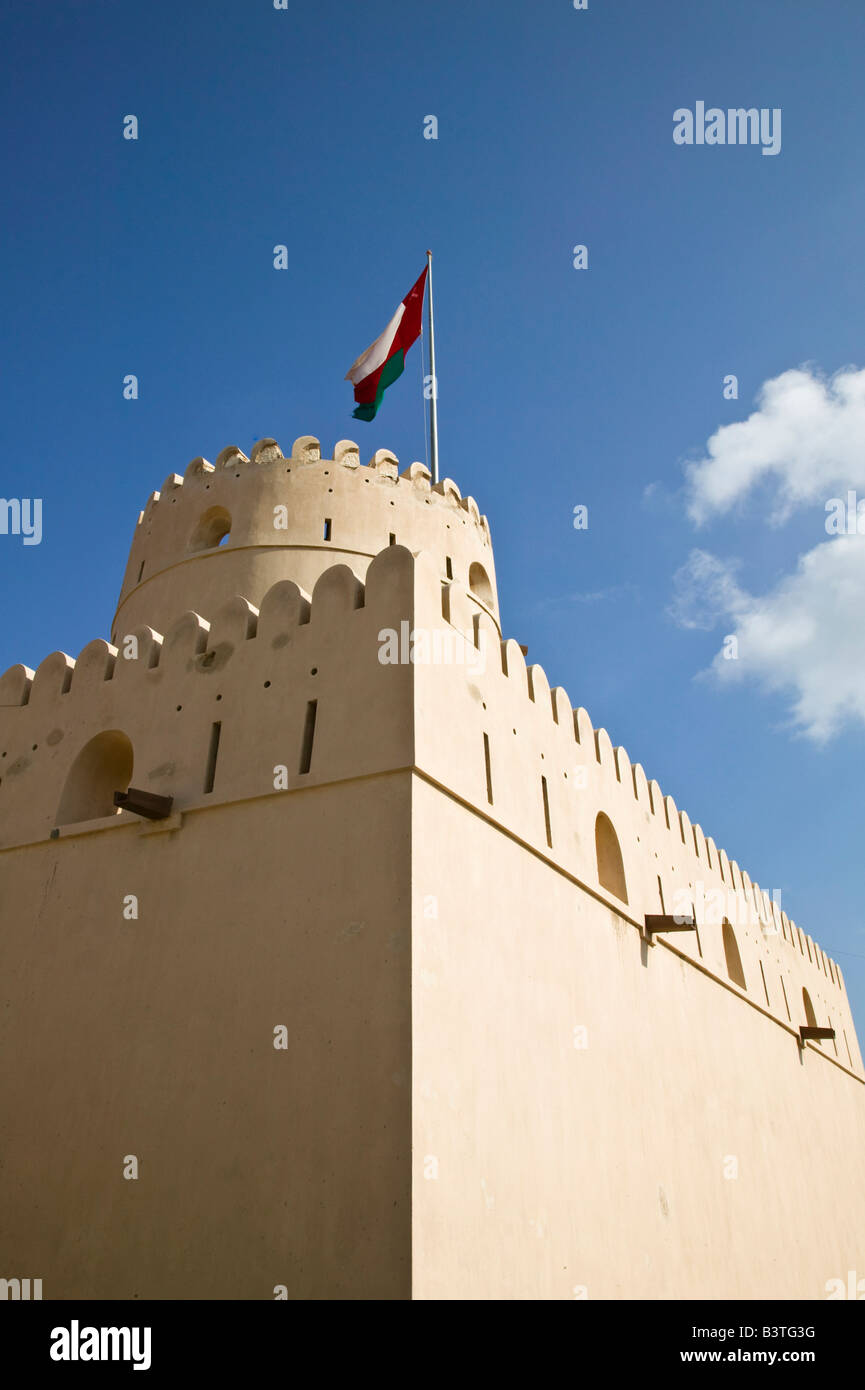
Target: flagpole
x=433, y=414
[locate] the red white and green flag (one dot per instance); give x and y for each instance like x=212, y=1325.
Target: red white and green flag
x=378, y=368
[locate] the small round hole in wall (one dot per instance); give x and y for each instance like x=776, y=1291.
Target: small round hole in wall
x=314, y=671
x=179, y=708
x=266, y=684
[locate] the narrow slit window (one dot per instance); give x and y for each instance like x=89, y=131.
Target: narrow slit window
x=212, y=755
x=449, y=569
x=765, y=986
x=392, y=540
x=327, y=528
x=140, y=572
x=546, y=798
x=786, y=1005
x=308, y=737
x=488, y=768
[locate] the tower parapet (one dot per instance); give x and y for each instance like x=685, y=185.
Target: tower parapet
x=241, y=525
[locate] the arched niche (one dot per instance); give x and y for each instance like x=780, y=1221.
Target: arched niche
x=212, y=529
x=735, y=969
x=611, y=870
x=479, y=583
x=102, y=767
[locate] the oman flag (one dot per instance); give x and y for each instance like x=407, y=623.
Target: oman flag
x=377, y=368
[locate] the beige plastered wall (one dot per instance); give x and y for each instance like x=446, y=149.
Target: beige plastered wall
x=257, y=1167
x=580, y=1099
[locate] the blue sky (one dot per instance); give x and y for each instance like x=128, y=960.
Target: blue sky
x=558, y=386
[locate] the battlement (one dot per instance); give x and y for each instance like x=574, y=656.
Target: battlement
x=306, y=450
x=243, y=523
x=253, y=672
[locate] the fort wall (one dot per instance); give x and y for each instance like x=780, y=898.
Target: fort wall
x=252, y=907
x=597, y=1119
x=518, y=754
x=153, y=1038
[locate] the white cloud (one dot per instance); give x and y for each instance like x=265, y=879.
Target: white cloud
x=805, y=442
x=705, y=591
x=803, y=638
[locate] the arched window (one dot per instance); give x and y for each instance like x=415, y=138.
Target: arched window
x=611, y=870
x=479, y=583
x=810, y=1016
x=734, y=960
x=103, y=767
x=213, y=528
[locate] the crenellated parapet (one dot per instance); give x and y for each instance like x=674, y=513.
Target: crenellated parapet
x=252, y=670
x=241, y=524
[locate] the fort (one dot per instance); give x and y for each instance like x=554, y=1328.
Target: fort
x=508, y=1072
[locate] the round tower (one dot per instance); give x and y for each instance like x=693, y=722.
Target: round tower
x=242, y=524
